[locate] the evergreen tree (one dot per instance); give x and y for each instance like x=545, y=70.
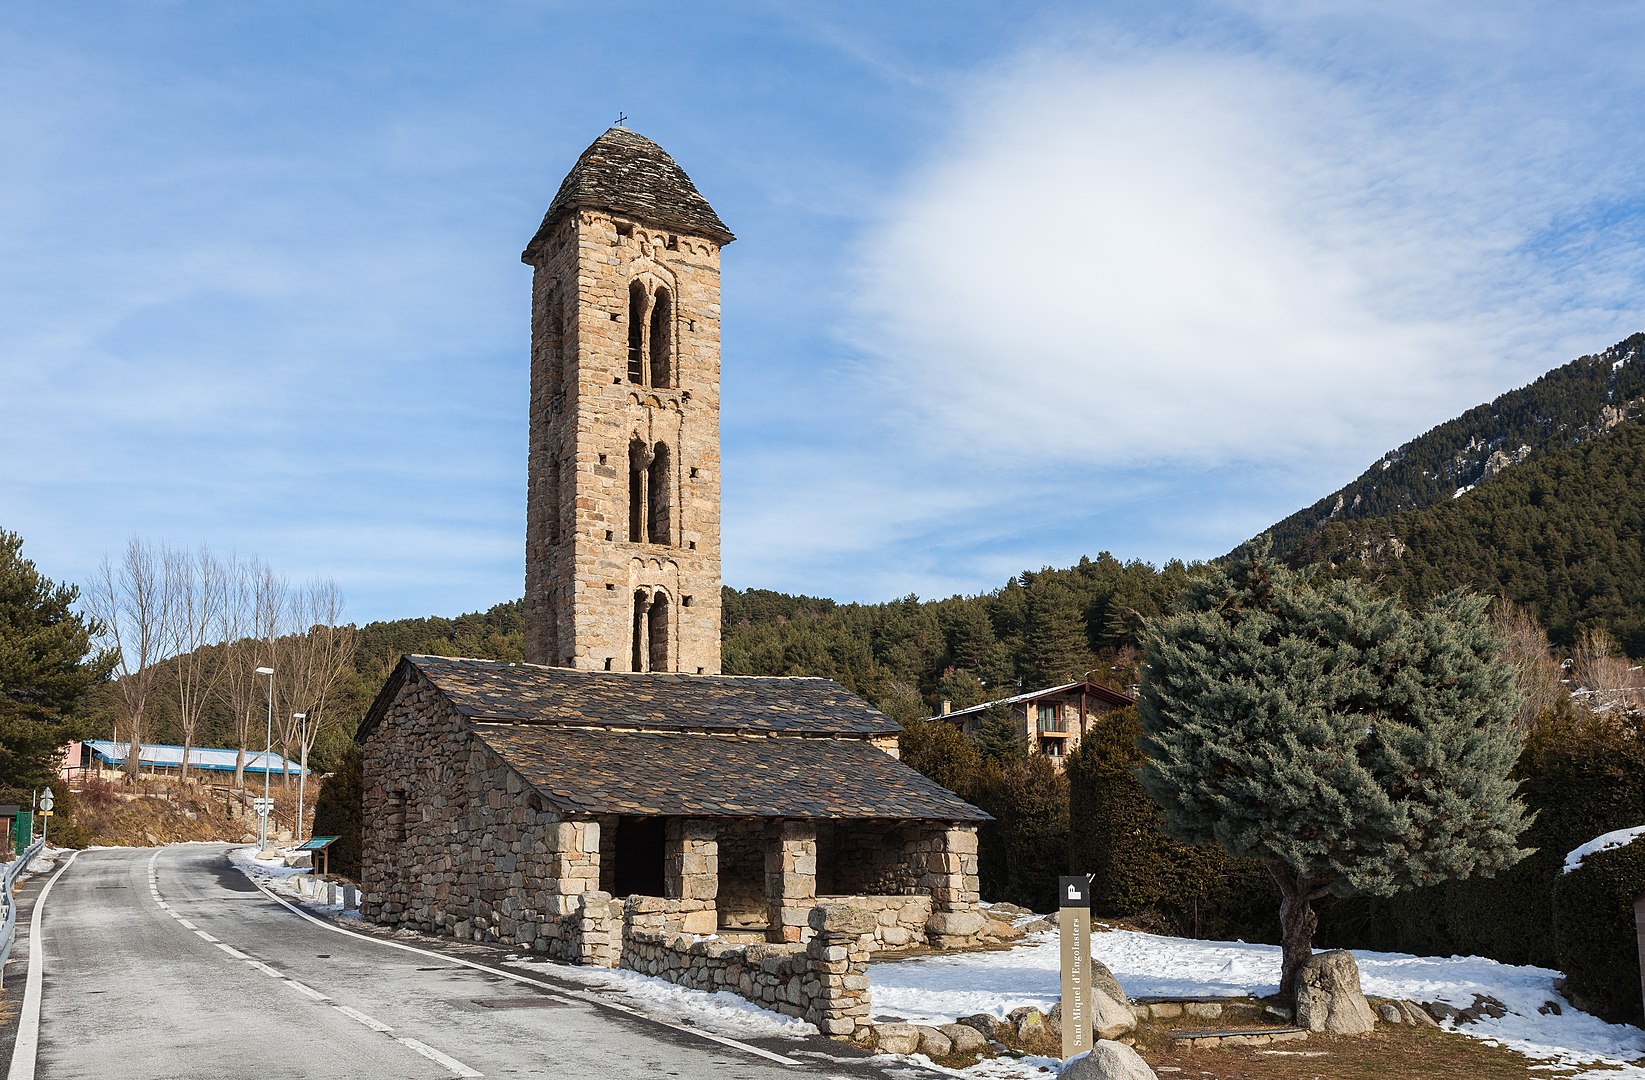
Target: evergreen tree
x=1057, y=648
x=47, y=665
x=1349, y=745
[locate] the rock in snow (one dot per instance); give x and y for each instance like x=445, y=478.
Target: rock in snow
x=1329, y=998
x=1107, y=1061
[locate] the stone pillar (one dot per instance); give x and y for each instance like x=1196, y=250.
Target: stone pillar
x=836, y=978
x=791, y=879
x=691, y=860
x=573, y=863
x=948, y=857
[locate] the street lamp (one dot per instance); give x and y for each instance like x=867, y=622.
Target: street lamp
x=302, y=768
x=268, y=745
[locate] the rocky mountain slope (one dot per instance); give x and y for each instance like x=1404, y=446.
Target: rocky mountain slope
x=1564, y=408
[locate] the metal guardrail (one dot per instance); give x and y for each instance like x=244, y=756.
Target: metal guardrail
x=12, y=872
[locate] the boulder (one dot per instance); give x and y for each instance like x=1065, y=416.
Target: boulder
x=985, y=1024
x=897, y=1038
x=964, y=1038
x=1026, y=1022
x=1107, y=1061
x=1104, y=980
x=1391, y=1013
x=1110, y=1019
x=1484, y=1005
x=1416, y=1014
x=933, y=1043
x=1329, y=998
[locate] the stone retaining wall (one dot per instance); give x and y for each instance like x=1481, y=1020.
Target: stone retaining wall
x=824, y=981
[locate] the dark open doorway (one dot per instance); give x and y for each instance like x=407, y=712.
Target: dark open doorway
x=638, y=857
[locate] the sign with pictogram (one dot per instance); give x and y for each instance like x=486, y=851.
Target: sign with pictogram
x=1074, y=922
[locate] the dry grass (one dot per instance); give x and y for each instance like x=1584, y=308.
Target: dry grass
x=159, y=810
x=1389, y=1053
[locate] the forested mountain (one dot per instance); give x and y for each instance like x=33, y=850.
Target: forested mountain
x=1563, y=535
x=1563, y=408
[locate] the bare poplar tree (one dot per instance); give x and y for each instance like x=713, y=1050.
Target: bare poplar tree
x=321, y=657
x=195, y=594
x=251, y=621
x=129, y=599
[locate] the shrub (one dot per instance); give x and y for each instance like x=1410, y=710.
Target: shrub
x=1595, y=934
x=337, y=812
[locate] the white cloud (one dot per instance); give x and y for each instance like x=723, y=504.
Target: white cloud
x=1192, y=258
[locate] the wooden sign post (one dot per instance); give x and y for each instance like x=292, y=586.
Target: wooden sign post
x=1074, y=922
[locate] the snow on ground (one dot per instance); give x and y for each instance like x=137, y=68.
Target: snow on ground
x=938, y=989
x=275, y=876
x=1620, y=838
x=721, y=1013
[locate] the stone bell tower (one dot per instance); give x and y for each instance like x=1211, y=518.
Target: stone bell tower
x=623, y=504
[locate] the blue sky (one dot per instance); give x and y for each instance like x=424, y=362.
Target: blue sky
x=1012, y=284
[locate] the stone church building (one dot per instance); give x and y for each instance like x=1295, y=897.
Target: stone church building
x=616, y=790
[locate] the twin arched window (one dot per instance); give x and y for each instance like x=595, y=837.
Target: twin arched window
x=650, y=493
x=650, y=336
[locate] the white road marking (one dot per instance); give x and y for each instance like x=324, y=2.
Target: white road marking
x=186, y=923
x=578, y=995
x=434, y=1055
x=203, y=936
x=307, y=991
x=232, y=951
x=265, y=969
x=27, y=1047
x=361, y=1018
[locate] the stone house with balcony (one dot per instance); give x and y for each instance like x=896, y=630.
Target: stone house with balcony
x=1052, y=720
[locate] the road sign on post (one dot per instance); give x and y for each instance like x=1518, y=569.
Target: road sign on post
x=1074, y=922
x=264, y=807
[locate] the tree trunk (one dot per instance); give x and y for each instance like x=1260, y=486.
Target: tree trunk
x=1297, y=922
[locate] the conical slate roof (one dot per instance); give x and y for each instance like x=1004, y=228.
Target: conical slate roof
x=626, y=173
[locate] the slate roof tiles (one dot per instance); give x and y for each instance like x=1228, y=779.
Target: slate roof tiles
x=624, y=172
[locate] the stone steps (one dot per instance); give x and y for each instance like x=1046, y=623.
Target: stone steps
x=1210, y=1038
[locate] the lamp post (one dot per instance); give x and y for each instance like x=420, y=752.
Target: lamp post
x=302, y=768
x=268, y=745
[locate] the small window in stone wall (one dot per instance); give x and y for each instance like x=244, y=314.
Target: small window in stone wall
x=394, y=815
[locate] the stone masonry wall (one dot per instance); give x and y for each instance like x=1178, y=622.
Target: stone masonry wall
x=582, y=572
x=899, y=921
x=824, y=981
x=454, y=841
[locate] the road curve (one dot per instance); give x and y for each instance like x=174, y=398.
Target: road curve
x=169, y=963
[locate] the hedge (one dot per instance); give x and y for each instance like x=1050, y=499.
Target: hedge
x=1595, y=934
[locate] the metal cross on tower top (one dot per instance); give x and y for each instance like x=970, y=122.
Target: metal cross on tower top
x=620, y=118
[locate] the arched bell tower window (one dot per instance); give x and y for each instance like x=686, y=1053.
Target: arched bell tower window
x=657, y=632
x=636, y=332
x=641, y=646
x=662, y=323
x=660, y=518
x=640, y=461
x=649, y=648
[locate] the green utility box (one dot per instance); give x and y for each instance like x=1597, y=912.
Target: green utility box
x=23, y=830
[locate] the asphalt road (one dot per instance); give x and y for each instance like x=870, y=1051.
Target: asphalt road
x=169, y=963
